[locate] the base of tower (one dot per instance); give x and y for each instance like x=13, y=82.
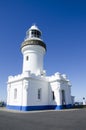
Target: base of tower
x=44, y=107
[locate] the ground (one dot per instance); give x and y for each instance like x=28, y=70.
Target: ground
x=73, y=119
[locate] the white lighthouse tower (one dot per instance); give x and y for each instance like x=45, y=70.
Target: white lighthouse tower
x=33, y=50
x=32, y=89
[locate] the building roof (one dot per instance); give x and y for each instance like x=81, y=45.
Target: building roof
x=34, y=27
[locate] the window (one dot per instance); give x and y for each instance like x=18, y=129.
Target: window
x=53, y=96
x=35, y=33
x=27, y=58
x=63, y=97
x=39, y=93
x=15, y=93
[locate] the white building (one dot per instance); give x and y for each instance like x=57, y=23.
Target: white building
x=33, y=90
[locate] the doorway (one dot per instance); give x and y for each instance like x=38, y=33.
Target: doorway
x=63, y=99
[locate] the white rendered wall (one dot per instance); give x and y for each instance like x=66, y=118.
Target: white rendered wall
x=57, y=87
x=20, y=83
x=35, y=55
x=67, y=88
x=34, y=85
x=27, y=91
x=10, y=93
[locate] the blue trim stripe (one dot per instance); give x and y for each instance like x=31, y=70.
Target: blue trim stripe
x=44, y=107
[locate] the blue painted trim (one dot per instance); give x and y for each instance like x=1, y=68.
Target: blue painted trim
x=14, y=107
x=43, y=107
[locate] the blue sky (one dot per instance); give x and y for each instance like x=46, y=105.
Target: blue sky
x=63, y=24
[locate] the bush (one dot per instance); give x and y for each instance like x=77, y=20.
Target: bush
x=2, y=104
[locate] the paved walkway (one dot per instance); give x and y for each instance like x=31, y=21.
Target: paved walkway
x=37, y=111
x=70, y=119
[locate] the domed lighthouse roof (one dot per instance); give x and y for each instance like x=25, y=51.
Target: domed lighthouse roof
x=33, y=37
x=34, y=27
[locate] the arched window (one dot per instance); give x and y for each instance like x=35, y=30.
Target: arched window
x=27, y=58
x=63, y=97
x=53, y=95
x=15, y=93
x=39, y=94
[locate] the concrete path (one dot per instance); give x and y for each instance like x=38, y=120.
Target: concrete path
x=73, y=119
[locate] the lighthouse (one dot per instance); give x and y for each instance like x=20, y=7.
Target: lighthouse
x=33, y=49
x=33, y=89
